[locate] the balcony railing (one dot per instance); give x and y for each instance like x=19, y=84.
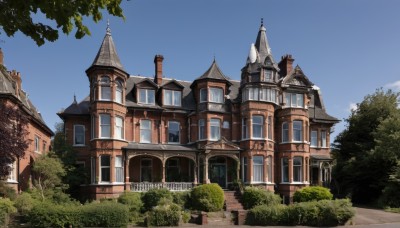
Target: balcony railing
x=172, y=186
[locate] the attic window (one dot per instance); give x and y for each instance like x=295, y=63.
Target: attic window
x=146, y=96
x=172, y=97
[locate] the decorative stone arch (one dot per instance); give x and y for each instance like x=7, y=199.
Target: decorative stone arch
x=187, y=156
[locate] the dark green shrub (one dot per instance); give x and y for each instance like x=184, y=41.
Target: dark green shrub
x=185, y=216
x=303, y=213
x=105, y=214
x=151, y=198
x=46, y=214
x=7, y=191
x=6, y=209
x=134, y=202
x=267, y=215
x=208, y=197
x=254, y=196
x=312, y=193
x=24, y=203
x=165, y=214
x=182, y=199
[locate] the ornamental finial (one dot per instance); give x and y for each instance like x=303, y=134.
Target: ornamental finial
x=108, y=30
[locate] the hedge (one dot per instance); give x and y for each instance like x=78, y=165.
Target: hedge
x=254, y=196
x=106, y=214
x=6, y=208
x=207, y=197
x=152, y=197
x=165, y=214
x=316, y=213
x=134, y=202
x=182, y=199
x=312, y=193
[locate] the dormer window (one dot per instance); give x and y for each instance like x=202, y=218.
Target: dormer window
x=146, y=96
x=212, y=95
x=105, y=88
x=172, y=97
x=119, y=92
x=294, y=100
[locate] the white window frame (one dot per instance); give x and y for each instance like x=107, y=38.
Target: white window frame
x=299, y=167
x=285, y=132
x=37, y=141
x=314, y=139
x=258, y=125
x=105, y=86
x=12, y=177
x=119, y=169
x=297, y=131
x=105, y=125
x=119, y=92
x=202, y=129
x=215, y=124
x=179, y=132
x=75, y=134
x=119, y=130
x=285, y=170
x=217, y=99
x=173, y=95
x=258, y=177
x=294, y=100
x=143, y=130
x=105, y=167
x=323, y=139
x=253, y=94
x=146, y=96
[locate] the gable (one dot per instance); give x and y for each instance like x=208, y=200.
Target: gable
x=222, y=144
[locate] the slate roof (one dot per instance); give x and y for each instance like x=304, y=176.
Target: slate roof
x=321, y=157
x=107, y=54
x=214, y=72
x=158, y=147
x=81, y=108
x=317, y=111
x=7, y=88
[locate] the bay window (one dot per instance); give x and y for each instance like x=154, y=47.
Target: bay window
x=173, y=131
x=269, y=169
x=119, y=169
x=105, y=123
x=216, y=95
x=294, y=100
x=105, y=168
x=119, y=92
x=79, y=135
x=203, y=95
x=245, y=129
x=257, y=124
x=119, y=127
x=215, y=127
x=253, y=94
x=285, y=132
x=172, y=98
x=258, y=168
x=146, y=96
x=145, y=131
x=202, y=128
x=105, y=89
x=269, y=131
x=298, y=169
x=297, y=130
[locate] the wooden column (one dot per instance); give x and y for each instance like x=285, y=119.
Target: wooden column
x=127, y=181
x=290, y=161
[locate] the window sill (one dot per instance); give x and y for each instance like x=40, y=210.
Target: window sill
x=12, y=182
x=174, y=143
x=294, y=142
x=79, y=145
x=122, y=140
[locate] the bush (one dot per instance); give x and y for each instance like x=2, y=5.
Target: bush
x=6, y=208
x=312, y=193
x=208, y=197
x=165, y=214
x=315, y=213
x=134, y=202
x=46, y=214
x=106, y=214
x=24, y=203
x=152, y=198
x=182, y=199
x=254, y=196
x=7, y=191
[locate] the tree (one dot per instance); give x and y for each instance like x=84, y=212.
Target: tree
x=13, y=136
x=362, y=166
x=16, y=15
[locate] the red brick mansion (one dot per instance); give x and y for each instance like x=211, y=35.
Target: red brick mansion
x=134, y=133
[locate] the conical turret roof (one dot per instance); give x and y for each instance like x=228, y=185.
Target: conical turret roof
x=262, y=45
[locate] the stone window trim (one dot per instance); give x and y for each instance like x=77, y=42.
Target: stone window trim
x=214, y=124
x=105, y=88
x=298, y=166
x=104, y=123
x=257, y=123
x=145, y=131
x=76, y=142
x=119, y=91
x=297, y=131
x=36, y=144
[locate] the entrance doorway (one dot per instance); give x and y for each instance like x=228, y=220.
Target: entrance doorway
x=217, y=171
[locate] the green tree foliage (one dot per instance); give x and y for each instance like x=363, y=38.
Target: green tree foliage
x=254, y=196
x=16, y=15
x=312, y=193
x=366, y=151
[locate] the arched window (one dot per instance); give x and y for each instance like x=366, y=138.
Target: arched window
x=105, y=88
x=119, y=92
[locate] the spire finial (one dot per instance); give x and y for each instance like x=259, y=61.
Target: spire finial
x=262, y=21
x=75, y=99
x=108, y=30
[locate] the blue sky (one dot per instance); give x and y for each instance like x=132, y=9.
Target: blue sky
x=348, y=48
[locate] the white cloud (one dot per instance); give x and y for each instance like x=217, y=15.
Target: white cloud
x=394, y=85
x=352, y=106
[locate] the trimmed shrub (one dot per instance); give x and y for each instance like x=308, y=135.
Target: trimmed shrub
x=312, y=193
x=208, y=197
x=106, y=214
x=46, y=214
x=24, y=204
x=152, y=198
x=267, y=215
x=7, y=191
x=254, y=196
x=6, y=208
x=165, y=214
x=134, y=202
x=182, y=199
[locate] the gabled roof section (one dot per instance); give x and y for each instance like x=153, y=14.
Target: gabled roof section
x=81, y=108
x=316, y=110
x=222, y=144
x=107, y=54
x=297, y=78
x=172, y=83
x=214, y=72
x=147, y=81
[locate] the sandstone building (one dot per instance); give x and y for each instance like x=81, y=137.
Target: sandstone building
x=136, y=133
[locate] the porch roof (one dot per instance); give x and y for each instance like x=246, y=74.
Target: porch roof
x=321, y=157
x=156, y=147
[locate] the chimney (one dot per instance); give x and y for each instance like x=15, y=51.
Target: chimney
x=16, y=76
x=1, y=58
x=286, y=64
x=158, y=59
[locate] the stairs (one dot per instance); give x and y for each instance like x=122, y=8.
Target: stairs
x=233, y=201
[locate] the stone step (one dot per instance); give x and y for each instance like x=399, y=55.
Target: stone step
x=233, y=201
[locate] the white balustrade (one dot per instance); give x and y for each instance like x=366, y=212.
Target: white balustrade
x=172, y=186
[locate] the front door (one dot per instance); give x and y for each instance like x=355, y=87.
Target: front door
x=217, y=171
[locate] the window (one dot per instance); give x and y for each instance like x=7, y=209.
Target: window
x=105, y=123
x=298, y=169
x=44, y=146
x=93, y=170
x=294, y=100
x=145, y=131
x=119, y=169
x=268, y=75
x=245, y=129
x=269, y=127
x=172, y=97
x=36, y=143
x=314, y=140
x=203, y=95
x=244, y=169
x=285, y=170
x=119, y=92
x=93, y=129
x=105, y=168
x=12, y=177
x=215, y=125
x=79, y=135
x=119, y=127
x=323, y=138
x=173, y=170
x=258, y=168
x=257, y=127
x=105, y=89
x=146, y=170
x=253, y=94
x=269, y=168
x=202, y=128
x=146, y=96
x=297, y=131
x=285, y=132
x=216, y=95
x=173, y=131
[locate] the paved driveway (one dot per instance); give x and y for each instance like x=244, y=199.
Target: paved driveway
x=366, y=216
